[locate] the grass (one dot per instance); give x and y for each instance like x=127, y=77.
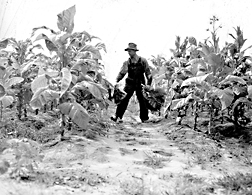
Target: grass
x=155, y=160
x=137, y=186
x=237, y=184
x=187, y=184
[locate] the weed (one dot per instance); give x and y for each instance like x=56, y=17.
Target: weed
x=24, y=165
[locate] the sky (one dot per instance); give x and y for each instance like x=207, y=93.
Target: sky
x=151, y=24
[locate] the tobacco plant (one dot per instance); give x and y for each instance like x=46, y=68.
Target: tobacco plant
x=214, y=82
x=206, y=77
x=7, y=94
x=14, y=60
x=67, y=81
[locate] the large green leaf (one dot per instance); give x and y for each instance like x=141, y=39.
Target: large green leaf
x=178, y=103
x=6, y=100
x=232, y=78
x=195, y=80
x=87, y=37
x=8, y=72
x=26, y=66
x=76, y=112
x=51, y=46
x=37, y=102
x=62, y=38
x=4, y=43
x=216, y=61
x=40, y=81
x=192, y=41
x=42, y=96
x=27, y=96
x=50, y=42
x=176, y=83
x=4, y=61
x=13, y=81
x=65, y=108
x=101, y=46
x=65, y=80
x=41, y=36
x=250, y=91
x=96, y=90
x=2, y=91
x=2, y=72
x=48, y=71
x=205, y=49
x=80, y=66
x=42, y=27
x=103, y=104
x=92, y=49
x=158, y=78
x=225, y=71
x=204, y=86
x=66, y=20
x=79, y=115
x=83, y=77
x=102, y=89
x=196, y=65
x=14, y=63
x=226, y=96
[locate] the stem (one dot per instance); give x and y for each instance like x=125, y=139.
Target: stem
x=51, y=105
x=70, y=124
x=210, y=124
x=63, y=124
x=222, y=117
x=45, y=108
x=20, y=103
x=179, y=117
x=196, y=115
x=25, y=112
x=1, y=109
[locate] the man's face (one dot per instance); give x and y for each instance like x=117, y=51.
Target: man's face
x=131, y=52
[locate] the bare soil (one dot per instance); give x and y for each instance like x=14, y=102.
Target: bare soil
x=131, y=158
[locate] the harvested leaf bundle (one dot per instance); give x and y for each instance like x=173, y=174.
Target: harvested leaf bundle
x=155, y=98
x=118, y=95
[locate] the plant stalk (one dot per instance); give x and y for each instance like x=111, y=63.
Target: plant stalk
x=20, y=103
x=63, y=125
x=210, y=124
x=196, y=115
x=1, y=110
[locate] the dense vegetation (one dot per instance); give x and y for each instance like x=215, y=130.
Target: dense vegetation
x=59, y=72
x=69, y=79
x=204, y=77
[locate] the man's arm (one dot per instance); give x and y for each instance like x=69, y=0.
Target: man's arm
x=123, y=71
x=147, y=72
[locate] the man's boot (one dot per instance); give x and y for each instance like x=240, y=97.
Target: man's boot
x=115, y=118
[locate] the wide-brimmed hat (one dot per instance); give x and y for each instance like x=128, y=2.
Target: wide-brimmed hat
x=132, y=46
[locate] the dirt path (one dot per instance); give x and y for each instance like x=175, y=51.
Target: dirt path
x=149, y=159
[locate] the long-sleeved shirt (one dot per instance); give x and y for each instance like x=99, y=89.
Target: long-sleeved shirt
x=124, y=69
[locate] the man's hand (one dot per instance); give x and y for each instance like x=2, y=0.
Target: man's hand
x=146, y=87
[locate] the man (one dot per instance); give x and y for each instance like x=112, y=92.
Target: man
x=137, y=67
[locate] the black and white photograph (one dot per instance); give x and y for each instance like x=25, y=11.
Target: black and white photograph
x=125, y=97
